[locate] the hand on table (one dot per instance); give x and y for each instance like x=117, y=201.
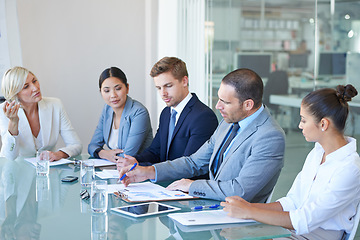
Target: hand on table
x=236, y=207
x=138, y=174
x=55, y=156
x=182, y=185
x=111, y=155
x=125, y=161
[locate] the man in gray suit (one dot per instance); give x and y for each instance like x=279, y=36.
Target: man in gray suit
x=243, y=157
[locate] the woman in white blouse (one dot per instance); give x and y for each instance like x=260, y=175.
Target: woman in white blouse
x=30, y=122
x=323, y=199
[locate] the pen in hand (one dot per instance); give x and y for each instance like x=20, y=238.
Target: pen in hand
x=205, y=207
x=123, y=176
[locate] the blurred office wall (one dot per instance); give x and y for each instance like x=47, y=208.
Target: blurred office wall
x=67, y=44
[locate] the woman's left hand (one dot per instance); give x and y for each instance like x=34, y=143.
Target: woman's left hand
x=54, y=156
x=237, y=207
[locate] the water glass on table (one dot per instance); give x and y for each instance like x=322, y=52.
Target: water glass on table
x=99, y=226
x=42, y=188
x=87, y=172
x=42, y=163
x=99, y=196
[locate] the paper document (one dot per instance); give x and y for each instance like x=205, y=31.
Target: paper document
x=206, y=218
x=54, y=163
x=209, y=227
x=145, y=191
x=107, y=174
x=102, y=162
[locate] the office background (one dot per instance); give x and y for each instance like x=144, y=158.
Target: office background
x=67, y=44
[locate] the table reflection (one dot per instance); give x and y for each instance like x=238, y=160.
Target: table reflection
x=24, y=197
x=43, y=207
x=19, y=209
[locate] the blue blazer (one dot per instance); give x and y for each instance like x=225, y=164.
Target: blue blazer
x=135, y=133
x=195, y=125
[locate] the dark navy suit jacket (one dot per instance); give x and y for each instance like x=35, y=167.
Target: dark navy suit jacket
x=195, y=125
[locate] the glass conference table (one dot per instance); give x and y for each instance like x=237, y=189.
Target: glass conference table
x=36, y=207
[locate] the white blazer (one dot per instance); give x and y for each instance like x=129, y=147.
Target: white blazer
x=53, y=122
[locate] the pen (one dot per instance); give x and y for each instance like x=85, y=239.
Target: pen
x=123, y=176
x=205, y=207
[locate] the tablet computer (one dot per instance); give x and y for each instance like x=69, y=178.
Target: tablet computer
x=145, y=209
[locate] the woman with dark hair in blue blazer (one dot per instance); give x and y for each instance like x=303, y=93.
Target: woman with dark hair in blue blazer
x=124, y=125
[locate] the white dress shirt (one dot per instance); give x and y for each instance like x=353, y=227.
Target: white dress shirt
x=180, y=107
x=325, y=195
x=114, y=138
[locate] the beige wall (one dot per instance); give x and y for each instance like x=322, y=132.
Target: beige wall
x=67, y=44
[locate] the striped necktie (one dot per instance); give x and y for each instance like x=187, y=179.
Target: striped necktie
x=222, y=150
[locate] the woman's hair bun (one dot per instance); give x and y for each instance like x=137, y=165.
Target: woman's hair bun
x=346, y=93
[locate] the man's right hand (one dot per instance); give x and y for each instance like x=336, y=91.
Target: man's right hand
x=138, y=174
x=125, y=161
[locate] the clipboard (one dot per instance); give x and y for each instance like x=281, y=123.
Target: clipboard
x=146, y=192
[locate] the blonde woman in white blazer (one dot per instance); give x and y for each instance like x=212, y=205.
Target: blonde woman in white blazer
x=29, y=122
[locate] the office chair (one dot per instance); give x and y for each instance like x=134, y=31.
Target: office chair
x=354, y=229
x=278, y=83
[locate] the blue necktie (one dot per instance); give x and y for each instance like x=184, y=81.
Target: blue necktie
x=171, y=127
x=220, y=156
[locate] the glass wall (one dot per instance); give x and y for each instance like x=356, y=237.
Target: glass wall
x=295, y=46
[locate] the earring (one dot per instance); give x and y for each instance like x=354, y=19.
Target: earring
x=322, y=130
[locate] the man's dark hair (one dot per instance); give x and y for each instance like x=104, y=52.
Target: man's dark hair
x=247, y=84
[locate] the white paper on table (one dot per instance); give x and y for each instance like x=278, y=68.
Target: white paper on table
x=102, y=162
x=146, y=191
x=206, y=218
x=107, y=174
x=200, y=228
x=54, y=163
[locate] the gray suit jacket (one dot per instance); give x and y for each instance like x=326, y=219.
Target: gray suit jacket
x=250, y=169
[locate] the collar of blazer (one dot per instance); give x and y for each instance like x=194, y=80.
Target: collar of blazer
x=239, y=139
x=46, y=119
x=187, y=109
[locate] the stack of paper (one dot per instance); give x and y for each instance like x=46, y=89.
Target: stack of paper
x=54, y=163
x=206, y=218
x=145, y=192
x=107, y=174
x=102, y=162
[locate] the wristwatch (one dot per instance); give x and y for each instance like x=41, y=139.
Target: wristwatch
x=96, y=153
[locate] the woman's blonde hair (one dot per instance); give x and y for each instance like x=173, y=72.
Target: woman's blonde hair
x=13, y=82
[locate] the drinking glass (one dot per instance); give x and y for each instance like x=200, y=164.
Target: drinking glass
x=87, y=172
x=99, y=196
x=42, y=163
x=42, y=188
x=99, y=226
